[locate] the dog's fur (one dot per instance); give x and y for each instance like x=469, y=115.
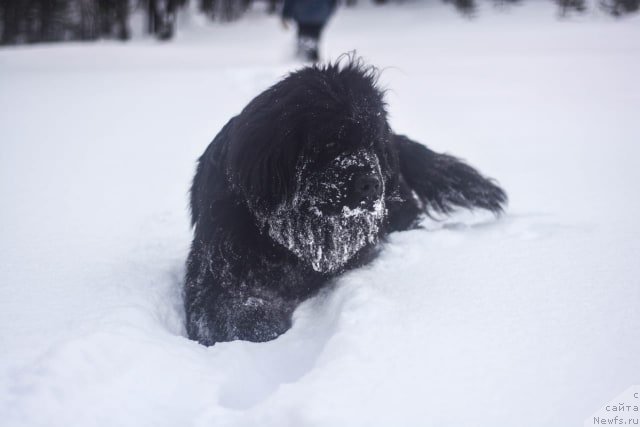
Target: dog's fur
x=272, y=200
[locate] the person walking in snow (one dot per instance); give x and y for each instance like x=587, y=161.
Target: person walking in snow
x=311, y=16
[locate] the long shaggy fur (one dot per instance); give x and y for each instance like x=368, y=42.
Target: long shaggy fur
x=277, y=207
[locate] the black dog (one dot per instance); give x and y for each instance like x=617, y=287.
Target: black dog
x=297, y=188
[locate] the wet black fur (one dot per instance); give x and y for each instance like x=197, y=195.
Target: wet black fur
x=240, y=284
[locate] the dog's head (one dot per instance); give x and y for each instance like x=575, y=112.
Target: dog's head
x=311, y=157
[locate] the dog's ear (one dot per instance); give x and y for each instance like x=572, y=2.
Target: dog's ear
x=261, y=153
x=443, y=182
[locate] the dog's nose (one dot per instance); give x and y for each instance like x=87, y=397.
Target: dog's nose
x=367, y=187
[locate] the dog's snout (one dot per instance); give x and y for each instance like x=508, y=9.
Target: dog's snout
x=367, y=187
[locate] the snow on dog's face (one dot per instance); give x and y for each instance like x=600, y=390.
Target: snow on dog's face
x=337, y=209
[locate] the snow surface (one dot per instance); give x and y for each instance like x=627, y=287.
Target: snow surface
x=531, y=320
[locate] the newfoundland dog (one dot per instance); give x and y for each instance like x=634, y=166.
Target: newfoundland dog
x=301, y=186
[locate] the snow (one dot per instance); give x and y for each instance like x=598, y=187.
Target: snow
x=530, y=320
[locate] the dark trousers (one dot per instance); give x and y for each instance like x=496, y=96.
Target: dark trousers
x=308, y=39
x=311, y=31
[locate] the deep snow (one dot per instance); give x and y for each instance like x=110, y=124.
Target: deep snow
x=530, y=320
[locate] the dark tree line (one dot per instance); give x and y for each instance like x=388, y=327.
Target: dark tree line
x=620, y=7
x=32, y=21
x=614, y=7
x=228, y=10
